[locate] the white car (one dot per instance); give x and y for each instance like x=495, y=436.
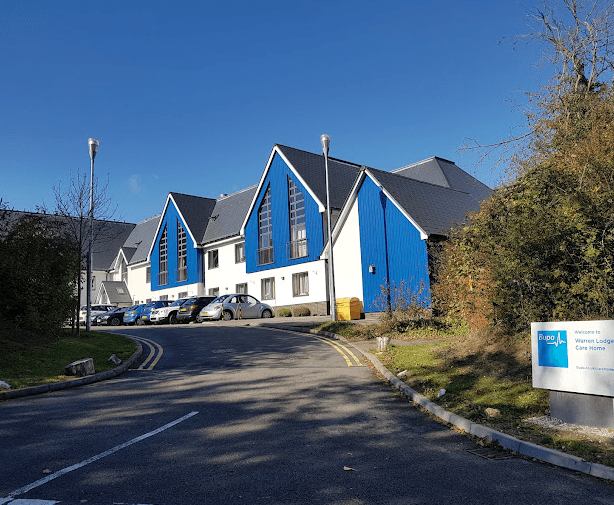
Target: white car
x=166, y=314
x=95, y=311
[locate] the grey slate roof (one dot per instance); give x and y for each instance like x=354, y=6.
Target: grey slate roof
x=435, y=208
x=196, y=211
x=447, y=174
x=312, y=169
x=117, y=292
x=140, y=240
x=228, y=215
x=109, y=236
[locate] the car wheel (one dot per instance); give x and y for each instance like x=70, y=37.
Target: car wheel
x=172, y=318
x=140, y=322
x=115, y=321
x=267, y=313
x=227, y=315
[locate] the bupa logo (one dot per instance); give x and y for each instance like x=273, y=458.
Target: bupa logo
x=552, y=348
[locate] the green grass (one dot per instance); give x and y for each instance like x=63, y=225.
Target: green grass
x=26, y=361
x=475, y=382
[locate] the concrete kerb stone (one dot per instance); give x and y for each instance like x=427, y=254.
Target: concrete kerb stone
x=509, y=442
x=89, y=379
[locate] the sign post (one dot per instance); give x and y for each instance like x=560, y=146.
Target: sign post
x=574, y=360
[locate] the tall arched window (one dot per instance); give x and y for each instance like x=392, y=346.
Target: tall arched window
x=298, y=232
x=163, y=259
x=182, y=259
x=265, y=231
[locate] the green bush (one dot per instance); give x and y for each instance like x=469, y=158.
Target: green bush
x=284, y=312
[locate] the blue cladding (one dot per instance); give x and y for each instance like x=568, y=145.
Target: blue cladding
x=194, y=256
x=277, y=180
x=392, y=244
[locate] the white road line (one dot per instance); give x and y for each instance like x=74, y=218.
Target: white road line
x=59, y=473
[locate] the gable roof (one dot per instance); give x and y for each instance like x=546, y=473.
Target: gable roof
x=137, y=245
x=228, y=215
x=195, y=211
x=445, y=173
x=312, y=169
x=116, y=291
x=434, y=208
x=109, y=236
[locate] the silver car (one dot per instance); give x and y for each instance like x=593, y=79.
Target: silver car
x=235, y=306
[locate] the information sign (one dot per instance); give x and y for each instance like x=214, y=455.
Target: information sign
x=574, y=356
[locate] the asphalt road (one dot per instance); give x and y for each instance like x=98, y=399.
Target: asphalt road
x=223, y=414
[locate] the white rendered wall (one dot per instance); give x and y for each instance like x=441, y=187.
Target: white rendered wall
x=228, y=273
x=347, y=258
x=140, y=289
x=283, y=283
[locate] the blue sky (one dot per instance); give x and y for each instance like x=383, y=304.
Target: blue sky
x=191, y=96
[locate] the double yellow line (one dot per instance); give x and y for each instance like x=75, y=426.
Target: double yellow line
x=347, y=354
x=153, y=347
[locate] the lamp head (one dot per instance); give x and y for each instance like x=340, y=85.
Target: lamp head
x=325, y=139
x=93, y=147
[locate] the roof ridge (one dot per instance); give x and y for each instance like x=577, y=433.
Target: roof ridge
x=404, y=167
x=330, y=158
x=236, y=192
x=403, y=177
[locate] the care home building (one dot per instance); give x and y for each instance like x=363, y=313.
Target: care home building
x=270, y=239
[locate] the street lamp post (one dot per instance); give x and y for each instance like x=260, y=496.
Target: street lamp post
x=325, y=140
x=93, y=143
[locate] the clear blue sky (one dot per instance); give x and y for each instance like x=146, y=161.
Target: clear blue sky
x=191, y=96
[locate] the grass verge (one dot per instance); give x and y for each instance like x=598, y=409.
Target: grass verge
x=479, y=372
x=27, y=361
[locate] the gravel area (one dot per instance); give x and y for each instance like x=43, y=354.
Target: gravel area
x=557, y=424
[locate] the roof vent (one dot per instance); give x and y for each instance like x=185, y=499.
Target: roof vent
x=222, y=195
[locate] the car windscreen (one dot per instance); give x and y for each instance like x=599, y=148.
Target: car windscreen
x=219, y=299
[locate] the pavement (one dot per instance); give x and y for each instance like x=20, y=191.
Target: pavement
x=366, y=348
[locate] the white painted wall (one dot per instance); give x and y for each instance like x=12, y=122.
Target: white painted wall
x=283, y=283
x=347, y=258
x=139, y=288
x=228, y=274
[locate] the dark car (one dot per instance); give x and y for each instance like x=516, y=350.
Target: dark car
x=113, y=317
x=146, y=312
x=191, y=308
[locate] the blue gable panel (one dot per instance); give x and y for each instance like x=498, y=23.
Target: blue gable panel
x=194, y=256
x=392, y=244
x=277, y=181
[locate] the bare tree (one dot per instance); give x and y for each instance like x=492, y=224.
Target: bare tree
x=72, y=204
x=578, y=40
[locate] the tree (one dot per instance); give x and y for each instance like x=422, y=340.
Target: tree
x=35, y=263
x=73, y=207
x=545, y=240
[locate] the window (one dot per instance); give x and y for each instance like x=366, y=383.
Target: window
x=265, y=231
x=298, y=234
x=183, y=294
x=240, y=253
x=267, y=287
x=241, y=288
x=163, y=259
x=212, y=259
x=214, y=292
x=148, y=274
x=123, y=268
x=300, y=284
x=163, y=297
x=182, y=260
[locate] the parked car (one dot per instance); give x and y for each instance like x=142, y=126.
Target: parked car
x=235, y=306
x=95, y=311
x=113, y=317
x=192, y=307
x=146, y=313
x=166, y=314
x=133, y=316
